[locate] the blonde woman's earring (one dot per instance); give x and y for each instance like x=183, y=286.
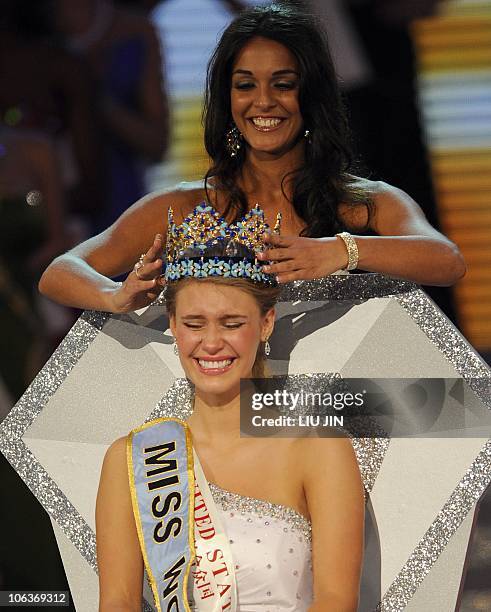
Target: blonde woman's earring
x=267, y=348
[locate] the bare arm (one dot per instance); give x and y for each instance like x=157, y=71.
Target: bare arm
x=118, y=550
x=336, y=504
x=81, y=277
x=407, y=246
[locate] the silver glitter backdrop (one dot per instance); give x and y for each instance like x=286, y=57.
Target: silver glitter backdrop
x=111, y=373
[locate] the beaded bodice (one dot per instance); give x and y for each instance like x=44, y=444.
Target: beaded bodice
x=271, y=548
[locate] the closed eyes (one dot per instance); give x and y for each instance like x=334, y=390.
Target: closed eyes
x=230, y=325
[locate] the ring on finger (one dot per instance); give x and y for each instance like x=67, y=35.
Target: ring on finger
x=138, y=266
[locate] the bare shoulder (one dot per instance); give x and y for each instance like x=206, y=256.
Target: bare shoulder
x=375, y=189
x=332, y=458
x=392, y=211
x=364, y=184
x=329, y=449
x=357, y=217
x=387, y=194
x=114, y=479
x=330, y=466
x=191, y=193
x=182, y=198
x=396, y=213
x=118, y=550
x=311, y=453
x=154, y=206
x=115, y=457
x=114, y=482
x=116, y=249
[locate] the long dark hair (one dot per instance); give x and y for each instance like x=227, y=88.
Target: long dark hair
x=323, y=182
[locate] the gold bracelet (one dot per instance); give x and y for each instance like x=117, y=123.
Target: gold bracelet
x=352, y=249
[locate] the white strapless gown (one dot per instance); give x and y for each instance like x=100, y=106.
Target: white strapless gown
x=271, y=548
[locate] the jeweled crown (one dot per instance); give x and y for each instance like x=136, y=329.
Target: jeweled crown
x=206, y=245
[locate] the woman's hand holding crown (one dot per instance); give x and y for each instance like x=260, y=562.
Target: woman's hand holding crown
x=143, y=285
x=297, y=258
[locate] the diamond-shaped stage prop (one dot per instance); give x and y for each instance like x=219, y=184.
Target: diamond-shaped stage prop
x=111, y=373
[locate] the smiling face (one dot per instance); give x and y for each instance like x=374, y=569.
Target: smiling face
x=264, y=97
x=218, y=329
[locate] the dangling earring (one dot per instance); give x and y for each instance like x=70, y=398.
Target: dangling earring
x=176, y=349
x=267, y=348
x=308, y=136
x=233, y=141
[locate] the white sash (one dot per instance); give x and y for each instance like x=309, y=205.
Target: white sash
x=213, y=572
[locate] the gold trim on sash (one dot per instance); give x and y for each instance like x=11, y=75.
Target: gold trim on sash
x=136, y=509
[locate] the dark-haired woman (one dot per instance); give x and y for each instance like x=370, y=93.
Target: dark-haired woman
x=276, y=134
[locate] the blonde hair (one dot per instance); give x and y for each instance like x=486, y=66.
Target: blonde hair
x=265, y=296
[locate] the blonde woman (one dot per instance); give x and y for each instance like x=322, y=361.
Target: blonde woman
x=278, y=523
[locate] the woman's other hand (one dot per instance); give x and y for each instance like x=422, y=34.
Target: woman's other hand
x=296, y=258
x=404, y=246
x=82, y=277
x=143, y=285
